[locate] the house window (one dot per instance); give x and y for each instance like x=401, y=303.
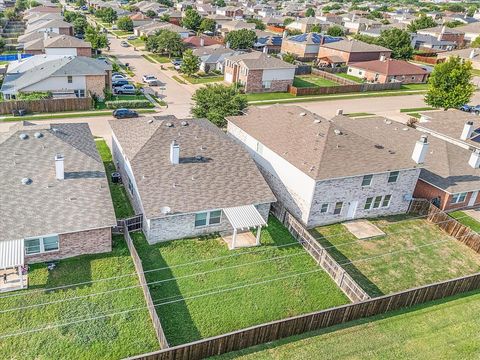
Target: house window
x=338, y=208
x=393, y=176
x=259, y=148
x=367, y=180
x=324, y=208
x=266, y=84
x=376, y=203
x=79, y=93
x=459, y=198
x=368, y=203
x=69, y=79
x=208, y=218
x=41, y=244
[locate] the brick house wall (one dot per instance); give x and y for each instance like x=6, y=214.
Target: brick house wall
x=298, y=49
x=66, y=31
x=84, y=51
x=384, y=79
x=34, y=52
x=77, y=243
x=253, y=83
x=427, y=191
x=353, y=57
x=96, y=84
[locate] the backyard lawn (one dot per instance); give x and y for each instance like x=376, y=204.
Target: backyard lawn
x=446, y=329
x=221, y=296
x=121, y=202
x=107, y=337
x=466, y=220
x=350, y=77
x=402, y=259
x=312, y=81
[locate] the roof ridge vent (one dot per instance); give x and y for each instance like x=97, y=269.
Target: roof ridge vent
x=26, y=181
x=337, y=132
x=38, y=135
x=169, y=124
x=184, y=123
x=23, y=136
x=303, y=113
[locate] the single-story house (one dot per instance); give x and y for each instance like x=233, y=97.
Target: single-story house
x=472, y=31
x=259, y=72
x=152, y=27
x=431, y=43
x=188, y=178
x=55, y=197
x=443, y=32
x=470, y=54
x=388, y=70
x=306, y=46
x=212, y=58
x=200, y=41
x=325, y=171
x=54, y=44
x=235, y=25
x=62, y=75
x=268, y=42
x=353, y=51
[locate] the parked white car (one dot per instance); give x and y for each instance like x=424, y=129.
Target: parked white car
x=118, y=77
x=151, y=80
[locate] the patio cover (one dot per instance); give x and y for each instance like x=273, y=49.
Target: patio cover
x=11, y=253
x=244, y=217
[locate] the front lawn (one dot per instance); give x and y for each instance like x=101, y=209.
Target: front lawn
x=137, y=43
x=414, y=87
x=306, y=81
x=107, y=337
x=100, y=105
x=402, y=259
x=203, y=79
x=222, y=296
x=445, y=329
x=121, y=202
x=466, y=220
x=121, y=32
x=162, y=59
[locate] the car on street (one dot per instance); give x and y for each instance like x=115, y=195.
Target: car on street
x=466, y=108
x=177, y=63
x=114, y=27
x=125, y=89
x=475, y=109
x=150, y=80
x=123, y=43
x=118, y=76
x=120, y=82
x=124, y=113
x=131, y=37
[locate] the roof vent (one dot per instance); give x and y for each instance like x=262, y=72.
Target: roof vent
x=169, y=124
x=378, y=146
x=184, y=123
x=337, y=132
x=317, y=121
x=150, y=121
x=26, y=181
x=38, y=135
x=23, y=136
x=303, y=114
x=388, y=122
x=165, y=210
x=405, y=129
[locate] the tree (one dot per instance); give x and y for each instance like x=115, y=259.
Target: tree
x=71, y=16
x=475, y=43
x=241, y=39
x=108, y=15
x=165, y=18
x=259, y=25
x=220, y=3
x=398, y=41
x=216, y=101
x=471, y=10
x=453, y=24
x=423, y=22
x=365, y=38
x=449, y=85
x=207, y=25
x=310, y=12
x=289, y=58
x=80, y=25
x=316, y=28
x=190, y=64
x=80, y=3
x=192, y=20
x=151, y=14
x=456, y=8
x=335, y=30
x=125, y=23
x=165, y=42
x=288, y=21
x=11, y=14
x=95, y=37
x=167, y=3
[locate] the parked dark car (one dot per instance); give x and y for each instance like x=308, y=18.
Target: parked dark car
x=466, y=108
x=118, y=83
x=124, y=113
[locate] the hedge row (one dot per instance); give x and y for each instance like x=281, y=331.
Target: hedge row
x=132, y=104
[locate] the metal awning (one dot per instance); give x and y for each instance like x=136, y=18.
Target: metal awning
x=244, y=217
x=11, y=253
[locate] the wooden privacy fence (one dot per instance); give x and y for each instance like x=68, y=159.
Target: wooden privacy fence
x=445, y=222
x=427, y=59
x=146, y=292
x=331, y=76
x=46, y=105
x=133, y=223
x=276, y=330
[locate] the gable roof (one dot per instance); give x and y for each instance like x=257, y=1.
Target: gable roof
x=390, y=67
x=313, y=38
x=214, y=171
x=354, y=46
x=257, y=60
x=65, y=41
x=320, y=148
x=49, y=206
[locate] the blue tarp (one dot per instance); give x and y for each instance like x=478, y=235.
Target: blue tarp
x=13, y=57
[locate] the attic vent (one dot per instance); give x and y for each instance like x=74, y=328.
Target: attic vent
x=377, y=146
x=337, y=132
x=184, y=123
x=303, y=114
x=26, y=181
x=38, y=135
x=23, y=136
x=169, y=124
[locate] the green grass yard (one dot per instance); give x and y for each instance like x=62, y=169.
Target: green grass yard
x=466, y=220
x=121, y=32
x=305, y=81
x=121, y=202
x=137, y=42
x=192, y=319
x=350, y=77
x=110, y=337
x=446, y=329
x=162, y=59
x=383, y=274
x=203, y=79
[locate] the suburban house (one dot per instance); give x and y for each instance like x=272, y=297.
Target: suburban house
x=472, y=31
x=357, y=24
x=470, y=54
x=152, y=27
x=200, y=41
x=451, y=177
x=306, y=46
x=324, y=172
x=353, y=51
x=55, y=197
x=54, y=44
x=431, y=43
x=188, y=178
x=388, y=70
x=235, y=25
x=305, y=24
x=58, y=26
x=139, y=19
x=445, y=33
x=259, y=72
x=212, y=58
x=230, y=11
x=62, y=75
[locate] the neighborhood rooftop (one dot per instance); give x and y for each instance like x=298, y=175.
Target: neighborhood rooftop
x=353, y=46
x=258, y=60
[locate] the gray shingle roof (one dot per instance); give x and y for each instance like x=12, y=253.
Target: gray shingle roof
x=353, y=46
x=49, y=206
x=226, y=176
x=257, y=60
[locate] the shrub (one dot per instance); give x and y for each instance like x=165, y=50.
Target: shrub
x=36, y=95
x=132, y=104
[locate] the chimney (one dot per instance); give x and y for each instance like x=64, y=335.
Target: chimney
x=59, y=167
x=174, y=153
x=474, y=160
x=265, y=49
x=467, y=130
x=472, y=54
x=202, y=42
x=339, y=112
x=420, y=150
x=444, y=28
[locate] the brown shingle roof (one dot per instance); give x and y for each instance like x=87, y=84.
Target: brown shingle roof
x=65, y=41
x=390, y=67
x=257, y=60
x=353, y=46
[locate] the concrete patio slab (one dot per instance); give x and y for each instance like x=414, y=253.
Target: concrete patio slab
x=245, y=239
x=14, y=281
x=363, y=229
